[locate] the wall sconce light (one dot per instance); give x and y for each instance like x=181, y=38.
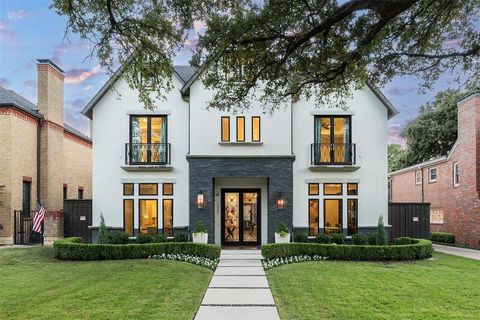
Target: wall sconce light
x=280, y=201
x=200, y=200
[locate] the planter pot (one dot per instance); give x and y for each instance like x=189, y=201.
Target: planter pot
x=200, y=237
x=279, y=239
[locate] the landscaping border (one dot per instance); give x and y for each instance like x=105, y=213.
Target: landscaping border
x=73, y=249
x=416, y=250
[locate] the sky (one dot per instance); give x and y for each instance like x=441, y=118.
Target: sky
x=30, y=30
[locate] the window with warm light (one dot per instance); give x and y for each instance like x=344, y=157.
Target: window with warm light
x=168, y=217
x=148, y=212
x=256, y=136
x=225, y=128
x=352, y=189
x=240, y=129
x=128, y=216
x=128, y=189
x=148, y=139
x=167, y=189
x=148, y=189
x=313, y=209
x=313, y=189
x=333, y=215
x=332, y=189
x=352, y=216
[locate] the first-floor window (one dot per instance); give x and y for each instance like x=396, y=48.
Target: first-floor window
x=168, y=217
x=313, y=217
x=80, y=193
x=128, y=216
x=333, y=215
x=148, y=212
x=436, y=215
x=352, y=216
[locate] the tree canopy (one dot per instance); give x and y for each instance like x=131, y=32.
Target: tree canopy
x=317, y=48
x=395, y=157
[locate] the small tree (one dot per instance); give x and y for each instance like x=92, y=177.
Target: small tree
x=102, y=231
x=200, y=227
x=381, y=235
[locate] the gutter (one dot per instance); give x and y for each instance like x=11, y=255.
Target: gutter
x=39, y=129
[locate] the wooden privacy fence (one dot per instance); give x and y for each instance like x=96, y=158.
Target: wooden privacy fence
x=78, y=216
x=409, y=220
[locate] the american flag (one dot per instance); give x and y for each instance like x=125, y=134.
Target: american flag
x=38, y=218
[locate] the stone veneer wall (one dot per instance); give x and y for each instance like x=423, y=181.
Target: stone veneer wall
x=278, y=170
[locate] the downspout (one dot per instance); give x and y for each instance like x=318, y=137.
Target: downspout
x=39, y=129
x=423, y=189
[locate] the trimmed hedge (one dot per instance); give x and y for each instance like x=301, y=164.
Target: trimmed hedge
x=442, y=237
x=415, y=250
x=73, y=249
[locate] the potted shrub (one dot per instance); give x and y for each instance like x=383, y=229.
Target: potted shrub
x=281, y=234
x=200, y=234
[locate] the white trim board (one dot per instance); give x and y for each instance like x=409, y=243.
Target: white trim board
x=331, y=112
x=148, y=180
x=149, y=112
x=333, y=180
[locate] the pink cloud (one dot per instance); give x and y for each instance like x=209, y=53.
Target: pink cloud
x=6, y=32
x=394, y=131
x=76, y=76
x=16, y=15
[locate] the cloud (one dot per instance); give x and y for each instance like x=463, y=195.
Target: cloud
x=77, y=75
x=394, y=131
x=5, y=32
x=16, y=15
x=30, y=84
x=399, y=90
x=4, y=82
x=451, y=42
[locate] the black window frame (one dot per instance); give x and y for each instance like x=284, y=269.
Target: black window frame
x=237, y=128
x=349, y=233
x=147, y=194
x=133, y=216
x=163, y=189
x=140, y=215
x=163, y=215
x=228, y=129
x=133, y=189
x=316, y=143
x=318, y=217
x=259, y=128
x=333, y=194
x=80, y=193
x=65, y=192
x=356, y=189
x=149, y=137
x=318, y=189
x=26, y=197
x=340, y=215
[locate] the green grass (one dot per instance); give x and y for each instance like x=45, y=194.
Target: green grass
x=34, y=285
x=443, y=287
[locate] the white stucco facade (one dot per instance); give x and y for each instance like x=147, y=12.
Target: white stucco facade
x=195, y=132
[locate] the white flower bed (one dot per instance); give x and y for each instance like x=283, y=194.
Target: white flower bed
x=268, y=264
x=201, y=261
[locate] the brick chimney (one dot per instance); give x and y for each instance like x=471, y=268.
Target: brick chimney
x=469, y=133
x=50, y=104
x=50, y=90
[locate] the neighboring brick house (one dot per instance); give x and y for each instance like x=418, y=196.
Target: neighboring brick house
x=41, y=157
x=451, y=183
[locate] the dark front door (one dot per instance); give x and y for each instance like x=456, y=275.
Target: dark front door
x=241, y=217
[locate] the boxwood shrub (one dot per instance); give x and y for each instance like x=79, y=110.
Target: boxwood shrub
x=415, y=250
x=442, y=237
x=73, y=249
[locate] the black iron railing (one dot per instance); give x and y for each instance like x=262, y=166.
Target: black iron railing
x=333, y=154
x=147, y=153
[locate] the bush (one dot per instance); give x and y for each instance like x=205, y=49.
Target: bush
x=444, y=237
x=282, y=229
x=180, y=237
x=359, y=239
x=301, y=237
x=158, y=238
x=372, y=239
x=338, y=238
x=323, y=238
x=72, y=249
x=144, y=238
x=381, y=233
x=102, y=231
x=403, y=241
x=200, y=227
x=117, y=238
x=418, y=249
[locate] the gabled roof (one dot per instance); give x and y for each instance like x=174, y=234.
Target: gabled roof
x=183, y=73
x=9, y=98
x=188, y=75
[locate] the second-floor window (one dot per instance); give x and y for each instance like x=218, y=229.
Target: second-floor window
x=456, y=174
x=418, y=177
x=256, y=136
x=240, y=129
x=333, y=139
x=432, y=175
x=225, y=129
x=148, y=139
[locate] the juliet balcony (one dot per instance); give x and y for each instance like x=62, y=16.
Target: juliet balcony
x=333, y=156
x=147, y=157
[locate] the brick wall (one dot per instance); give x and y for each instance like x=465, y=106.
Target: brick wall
x=77, y=171
x=461, y=204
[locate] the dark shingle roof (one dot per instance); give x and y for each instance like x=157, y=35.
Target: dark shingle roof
x=11, y=98
x=185, y=72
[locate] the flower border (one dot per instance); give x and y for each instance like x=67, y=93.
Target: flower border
x=201, y=261
x=271, y=263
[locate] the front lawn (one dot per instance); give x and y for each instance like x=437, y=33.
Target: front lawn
x=34, y=285
x=443, y=287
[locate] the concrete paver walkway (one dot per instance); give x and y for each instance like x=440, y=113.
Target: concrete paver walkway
x=456, y=251
x=239, y=289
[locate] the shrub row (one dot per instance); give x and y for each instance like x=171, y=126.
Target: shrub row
x=442, y=237
x=73, y=249
x=414, y=250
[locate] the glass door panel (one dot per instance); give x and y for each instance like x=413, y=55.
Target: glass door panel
x=333, y=216
x=148, y=216
x=139, y=133
x=232, y=217
x=323, y=137
x=341, y=139
x=250, y=206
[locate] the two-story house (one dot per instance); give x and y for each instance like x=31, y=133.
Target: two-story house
x=450, y=183
x=317, y=168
